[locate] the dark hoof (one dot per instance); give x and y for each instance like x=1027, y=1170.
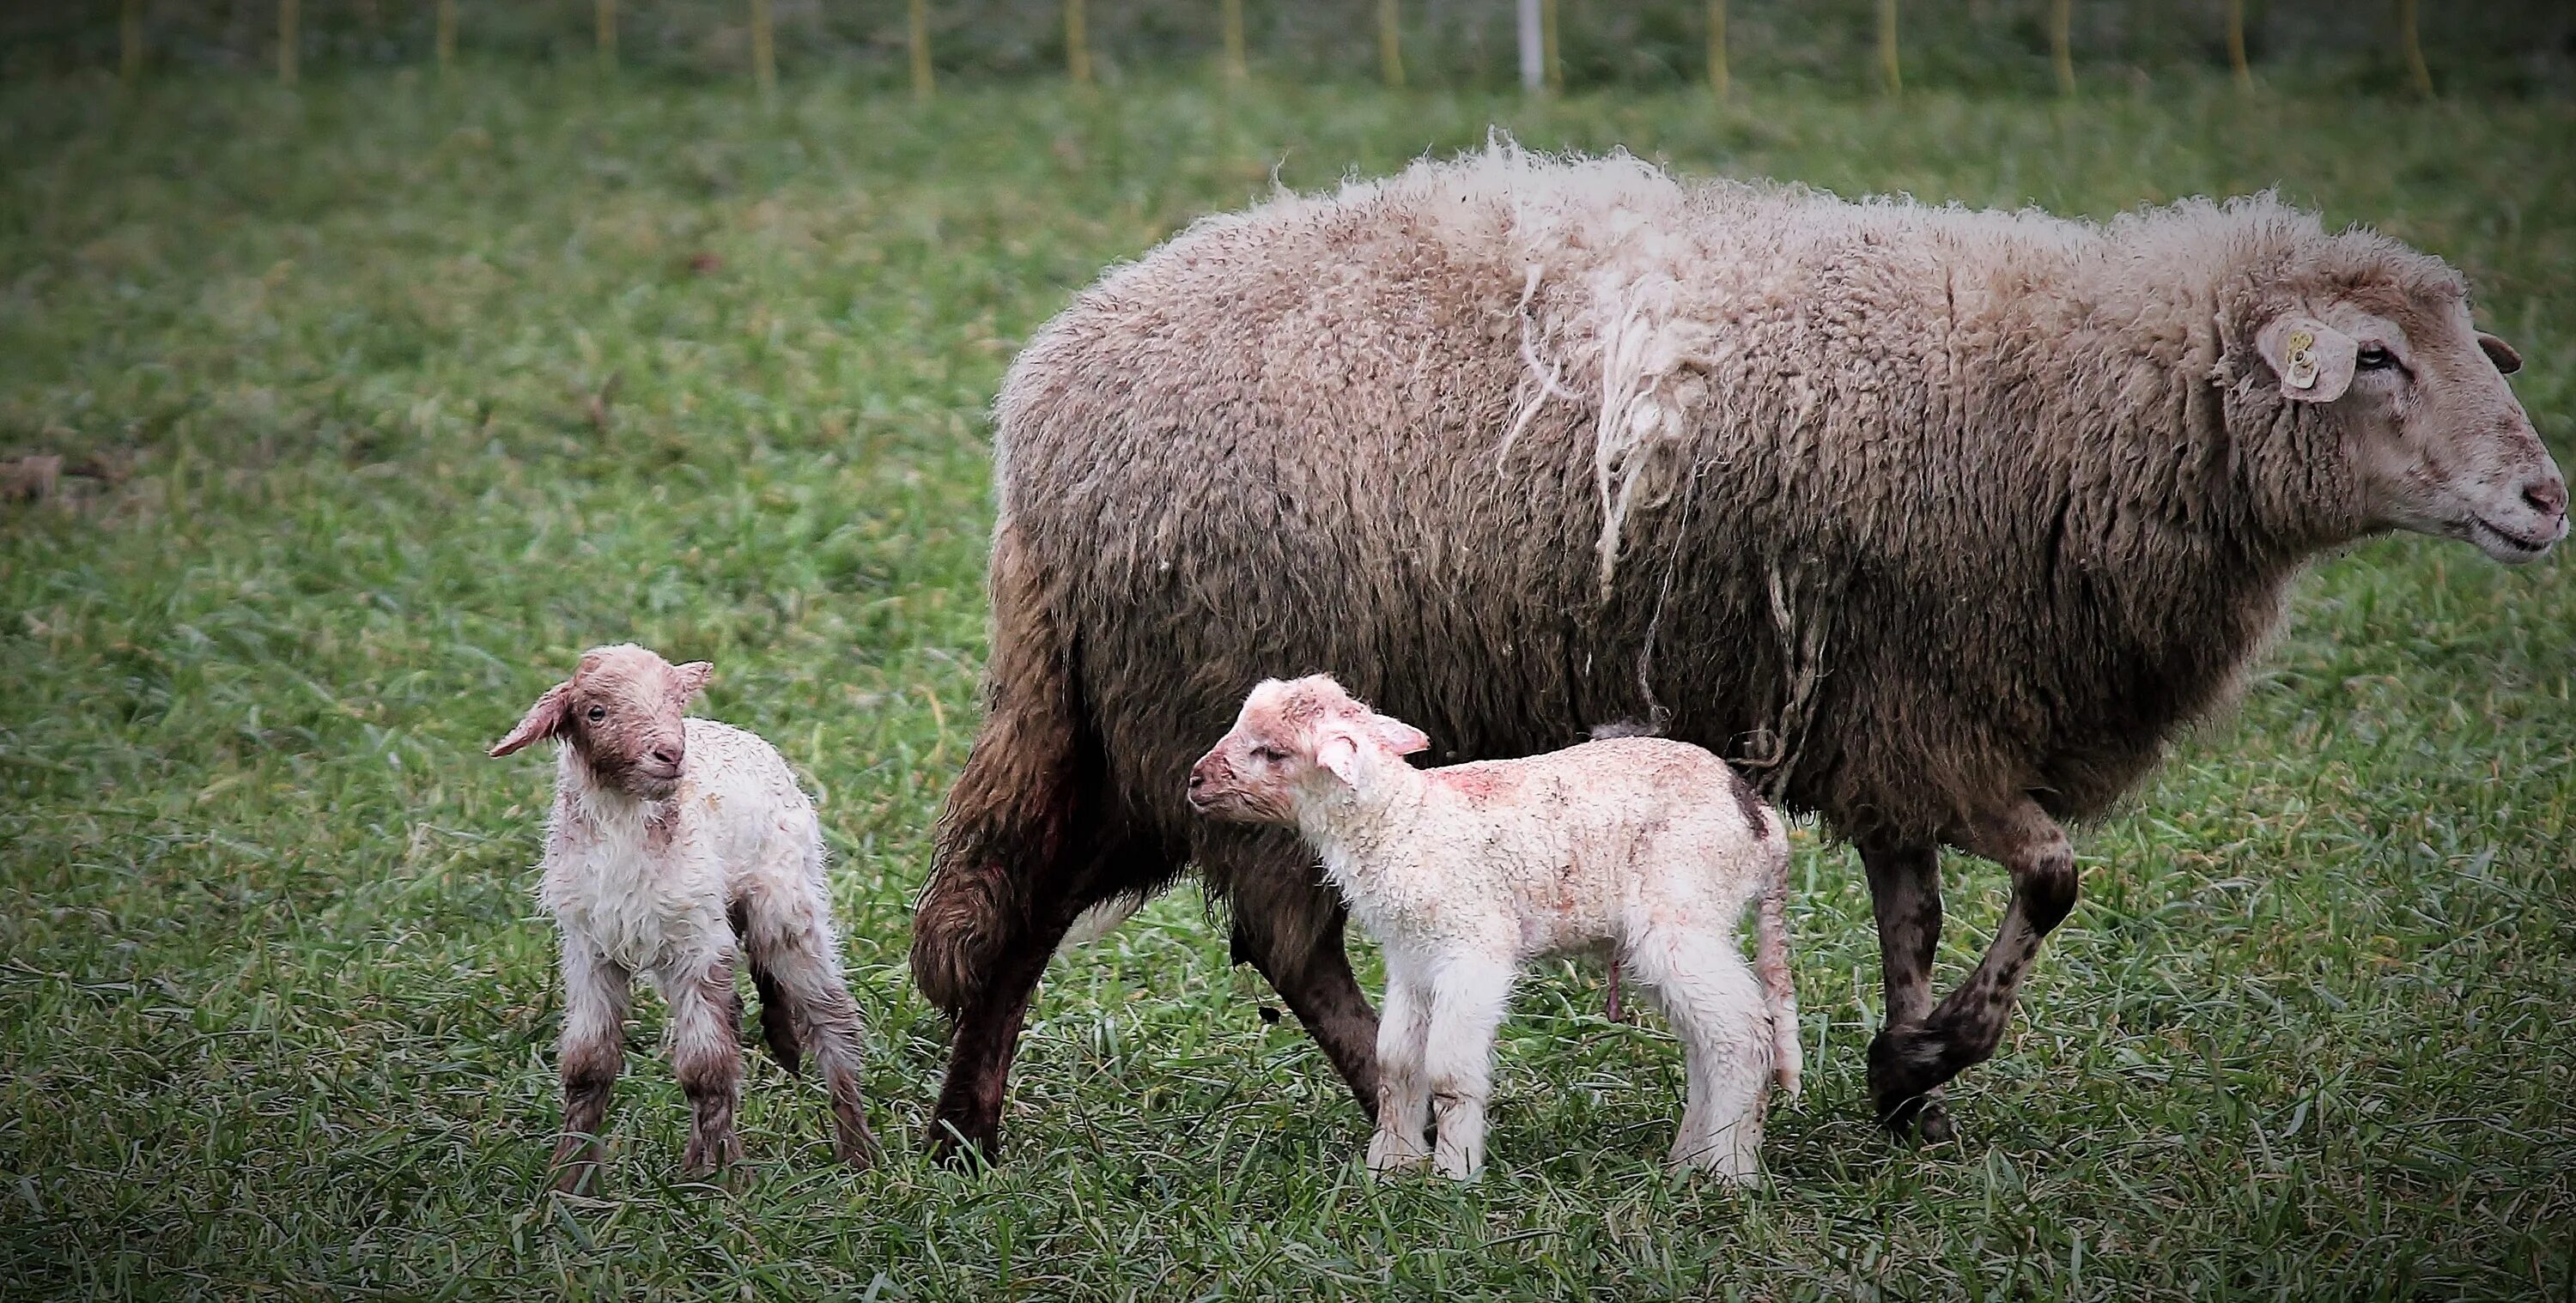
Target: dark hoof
x=1905, y=1066
x=950, y=1147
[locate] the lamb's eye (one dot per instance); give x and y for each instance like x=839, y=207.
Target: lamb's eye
x=2373, y=357
x=1269, y=755
x=598, y=713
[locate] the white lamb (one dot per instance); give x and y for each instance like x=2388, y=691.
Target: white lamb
x=673, y=840
x=1649, y=847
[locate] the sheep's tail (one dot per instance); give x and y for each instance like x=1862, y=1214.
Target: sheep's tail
x=1771, y=963
x=1007, y=812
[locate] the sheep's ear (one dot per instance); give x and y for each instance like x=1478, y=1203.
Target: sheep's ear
x=1339, y=752
x=2500, y=353
x=1397, y=736
x=2313, y=360
x=689, y=680
x=542, y=720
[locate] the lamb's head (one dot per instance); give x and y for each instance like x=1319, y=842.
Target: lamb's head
x=620, y=714
x=2373, y=341
x=1295, y=739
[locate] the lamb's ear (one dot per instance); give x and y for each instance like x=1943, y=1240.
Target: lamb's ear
x=542, y=720
x=1396, y=735
x=2500, y=353
x=689, y=680
x=1339, y=752
x=2312, y=359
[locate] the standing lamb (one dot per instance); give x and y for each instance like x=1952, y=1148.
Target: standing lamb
x=672, y=840
x=1936, y=522
x=1648, y=847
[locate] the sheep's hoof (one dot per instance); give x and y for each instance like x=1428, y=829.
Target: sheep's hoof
x=579, y=1176
x=1905, y=1066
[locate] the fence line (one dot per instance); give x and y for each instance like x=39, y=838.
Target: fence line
x=1541, y=57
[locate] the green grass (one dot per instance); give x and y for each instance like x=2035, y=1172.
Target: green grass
x=276, y=1004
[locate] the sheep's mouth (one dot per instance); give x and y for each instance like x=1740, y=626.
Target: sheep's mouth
x=2517, y=547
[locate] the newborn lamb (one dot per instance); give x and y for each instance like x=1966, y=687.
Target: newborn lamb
x=672, y=840
x=1647, y=846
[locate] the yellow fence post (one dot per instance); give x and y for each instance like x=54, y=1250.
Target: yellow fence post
x=1077, y=43
x=918, y=28
x=2420, y=76
x=1555, y=52
x=129, y=64
x=764, y=50
x=1891, y=75
x=1236, y=69
x=1717, y=76
x=2061, y=44
x=1390, y=44
x=2236, y=45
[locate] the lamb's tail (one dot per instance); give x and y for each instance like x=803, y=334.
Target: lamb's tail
x=1006, y=815
x=1771, y=963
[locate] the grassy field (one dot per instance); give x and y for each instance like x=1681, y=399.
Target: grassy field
x=397, y=395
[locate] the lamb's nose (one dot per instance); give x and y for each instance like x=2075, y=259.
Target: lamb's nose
x=667, y=755
x=1197, y=780
x=2548, y=497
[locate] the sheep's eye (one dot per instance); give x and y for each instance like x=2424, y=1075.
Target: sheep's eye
x=1269, y=755
x=598, y=713
x=2373, y=357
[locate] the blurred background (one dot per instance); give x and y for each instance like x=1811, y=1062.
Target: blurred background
x=362, y=361
x=2516, y=47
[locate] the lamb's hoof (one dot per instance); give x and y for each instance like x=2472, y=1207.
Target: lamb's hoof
x=1384, y=1163
x=581, y=1176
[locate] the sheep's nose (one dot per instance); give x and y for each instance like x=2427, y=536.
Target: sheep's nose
x=1197, y=780
x=667, y=755
x=2548, y=497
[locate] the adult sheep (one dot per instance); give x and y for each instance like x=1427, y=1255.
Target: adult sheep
x=1937, y=522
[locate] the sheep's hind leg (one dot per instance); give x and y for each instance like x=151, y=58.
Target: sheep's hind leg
x=1289, y=927
x=706, y=1055
x=1905, y=893
x=1907, y=1062
x=588, y=1054
x=1403, y=1096
x=1718, y=1012
x=1467, y=1001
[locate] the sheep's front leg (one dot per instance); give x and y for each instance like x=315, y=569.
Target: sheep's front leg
x=1467, y=1000
x=706, y=1054
x=1905, y=893
x=1403, y=1094
x=588, y=1054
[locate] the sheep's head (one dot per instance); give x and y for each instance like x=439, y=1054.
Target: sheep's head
x=2378, y=337
x=620, y=713
x=1296, y=737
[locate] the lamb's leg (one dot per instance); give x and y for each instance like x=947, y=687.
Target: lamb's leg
x=1468, y=996
x=1906, y=1062
x=588, y=1054
x=1905, y=893
x=1724, y=1023
x=1403, y=1094
x=798, y=963
x=706, y=1055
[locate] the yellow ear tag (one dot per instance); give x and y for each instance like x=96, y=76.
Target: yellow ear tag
x=2303, y=360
